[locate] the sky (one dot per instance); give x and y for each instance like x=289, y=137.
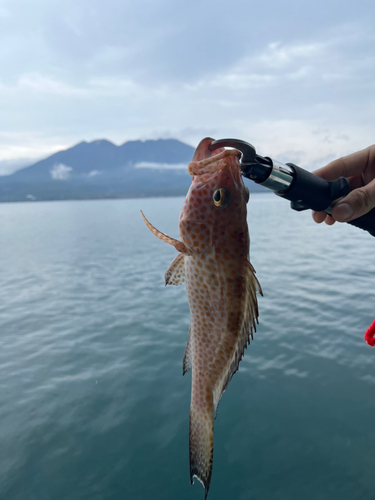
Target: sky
x=294, y=78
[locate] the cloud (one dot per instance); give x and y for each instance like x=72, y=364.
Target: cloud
x=8, y=167
x=4, y=12
x=47, y=85
x=34, y=83
x=161, y=166
x=277, y=54
x=60, y=172
x=71, y=71
x=30, y=144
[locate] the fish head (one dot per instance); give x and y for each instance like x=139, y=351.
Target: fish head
x=214, y=212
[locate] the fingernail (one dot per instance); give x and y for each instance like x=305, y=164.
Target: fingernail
x=343, y=211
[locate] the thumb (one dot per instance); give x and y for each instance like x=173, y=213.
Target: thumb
x=357, y=203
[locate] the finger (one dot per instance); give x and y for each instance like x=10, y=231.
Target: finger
x=355, y=182
x=357, y=203
x=348, y=166
x=318, y=217
x=329, y=220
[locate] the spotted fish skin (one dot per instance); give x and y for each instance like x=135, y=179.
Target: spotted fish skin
x=221, y=287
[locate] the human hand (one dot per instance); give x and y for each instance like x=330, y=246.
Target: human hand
x=359, y=169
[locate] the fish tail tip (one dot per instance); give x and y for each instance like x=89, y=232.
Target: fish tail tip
x=205, y=483
x=201, y=445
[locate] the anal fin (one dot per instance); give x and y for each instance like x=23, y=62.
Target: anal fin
x=175, y=274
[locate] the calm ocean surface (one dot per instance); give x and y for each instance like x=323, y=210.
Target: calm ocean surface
x=93, y=404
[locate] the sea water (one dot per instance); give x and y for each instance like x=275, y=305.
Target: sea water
x=93, y=404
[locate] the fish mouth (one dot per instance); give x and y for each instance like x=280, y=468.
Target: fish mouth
x=206, y=161
x=203, y=151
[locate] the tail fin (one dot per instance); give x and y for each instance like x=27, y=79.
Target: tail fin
x=201, y=444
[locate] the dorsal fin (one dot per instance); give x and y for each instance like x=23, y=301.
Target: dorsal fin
x=248, y=325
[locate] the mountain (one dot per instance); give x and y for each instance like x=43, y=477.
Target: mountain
x=100, y=169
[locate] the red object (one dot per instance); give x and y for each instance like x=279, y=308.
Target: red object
x=370, y=334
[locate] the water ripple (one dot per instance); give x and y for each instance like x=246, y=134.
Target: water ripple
x=91, y=345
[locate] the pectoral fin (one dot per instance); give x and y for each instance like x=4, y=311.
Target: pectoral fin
x=179, y=246
x=175, y=274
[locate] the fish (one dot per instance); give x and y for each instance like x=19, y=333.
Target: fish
x=213, y=262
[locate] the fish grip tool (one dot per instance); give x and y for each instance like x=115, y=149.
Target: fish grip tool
x=303, y=189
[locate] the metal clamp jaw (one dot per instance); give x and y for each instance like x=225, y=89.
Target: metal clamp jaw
x=262, y=170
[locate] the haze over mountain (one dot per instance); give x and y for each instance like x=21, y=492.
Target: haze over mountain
x=100, y=169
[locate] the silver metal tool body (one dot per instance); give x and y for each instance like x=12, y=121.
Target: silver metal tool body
x=280, y=177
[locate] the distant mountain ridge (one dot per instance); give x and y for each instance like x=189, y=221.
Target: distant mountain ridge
x=100, y=169
x=103, y=155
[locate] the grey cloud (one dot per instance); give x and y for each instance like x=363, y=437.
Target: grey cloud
x=161, y=166
x=163, y=40
x=94, y=173
x=7, y=167
x=60, y=172
x=127, y=70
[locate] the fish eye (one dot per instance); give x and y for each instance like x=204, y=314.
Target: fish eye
x=246, y=194
x=221, y=197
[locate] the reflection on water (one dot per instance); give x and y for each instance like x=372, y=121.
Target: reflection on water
x=92, y=399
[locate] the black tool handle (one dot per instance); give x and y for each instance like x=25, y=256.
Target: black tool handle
x=366, y=222
x=310, y=191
